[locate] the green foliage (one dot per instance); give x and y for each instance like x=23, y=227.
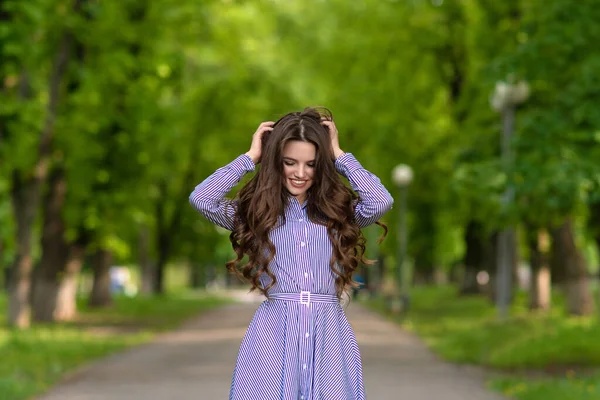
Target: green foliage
x=159, y=94
x=558, y=140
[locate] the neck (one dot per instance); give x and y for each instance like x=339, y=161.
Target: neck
x=301, y=199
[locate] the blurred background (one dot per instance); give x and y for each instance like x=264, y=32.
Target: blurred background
x=481, y=117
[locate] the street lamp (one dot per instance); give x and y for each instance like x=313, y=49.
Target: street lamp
x=402, y=176
x=505, y=98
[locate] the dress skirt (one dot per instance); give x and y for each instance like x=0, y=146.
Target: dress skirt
x=292, y=351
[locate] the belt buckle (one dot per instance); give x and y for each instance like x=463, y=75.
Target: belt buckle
x=305, y=298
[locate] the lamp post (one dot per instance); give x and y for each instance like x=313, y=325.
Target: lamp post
x=505, y=98
x=402, y=176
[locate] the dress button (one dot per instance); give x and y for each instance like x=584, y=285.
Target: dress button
x=307, y=335
x=304, y=366
x=306, y=274
x=302, y=397
x=301, y=219
x=302, y=244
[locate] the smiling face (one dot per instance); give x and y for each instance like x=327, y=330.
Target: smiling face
x=298, y=167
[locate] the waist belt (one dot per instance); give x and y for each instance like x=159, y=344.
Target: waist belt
x=305, y=297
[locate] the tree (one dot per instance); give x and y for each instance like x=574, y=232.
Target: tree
x=27, y=184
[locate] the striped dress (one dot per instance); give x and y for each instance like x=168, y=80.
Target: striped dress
x=299, y=345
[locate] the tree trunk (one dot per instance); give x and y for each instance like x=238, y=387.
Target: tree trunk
x=197, y=275
x=147, y=272
x=26, y=195
x=100, y=295
x=425, y=276
x=3, y=274
x=19, y=308
x=558, y=274
x=66, y=299
x=473, y=259
x=424, y=272
x=163, y=252
x=163, y=241
x=491, y=265
x=570, y=260
x=167, y=229
x=55, y=249
x=594, y=226
x=381, y=266
x=424, y=260
x=538, y=242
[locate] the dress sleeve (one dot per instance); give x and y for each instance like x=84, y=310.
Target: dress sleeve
x=209, y=196
x=373, y=198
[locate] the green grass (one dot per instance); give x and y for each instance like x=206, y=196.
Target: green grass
x=34, y=359
x=467, y=330
x=570, y=387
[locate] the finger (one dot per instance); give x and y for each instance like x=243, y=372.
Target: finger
x=261, y=128
x=330, y=126
x=267, y=123
x=262, y=131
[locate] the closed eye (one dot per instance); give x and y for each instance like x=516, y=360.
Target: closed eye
x=291, y=162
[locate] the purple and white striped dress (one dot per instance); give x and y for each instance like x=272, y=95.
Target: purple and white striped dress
x=298, y=346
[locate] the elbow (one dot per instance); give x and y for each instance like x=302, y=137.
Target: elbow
x=389, y=203
x=195, y=200
x=377, y=209
x=383, y=206
x=384, y=203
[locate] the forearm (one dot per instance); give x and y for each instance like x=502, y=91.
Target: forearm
x=208, y=198
x=337, y=152
x=374, y=198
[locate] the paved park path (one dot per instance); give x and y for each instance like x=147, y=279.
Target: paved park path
x=195, y=362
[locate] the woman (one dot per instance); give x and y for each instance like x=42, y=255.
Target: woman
x=299, y=226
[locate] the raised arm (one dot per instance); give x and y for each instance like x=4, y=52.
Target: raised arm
x=373, y=198
x=209, y=196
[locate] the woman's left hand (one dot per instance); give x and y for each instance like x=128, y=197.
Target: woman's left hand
x=333, y=135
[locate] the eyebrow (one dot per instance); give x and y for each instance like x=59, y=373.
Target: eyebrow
x=293, y=159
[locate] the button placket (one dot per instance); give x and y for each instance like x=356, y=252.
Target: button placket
x=303, y=237
x=305, y=311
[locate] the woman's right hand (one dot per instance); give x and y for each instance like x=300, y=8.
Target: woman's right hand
x=255, y=151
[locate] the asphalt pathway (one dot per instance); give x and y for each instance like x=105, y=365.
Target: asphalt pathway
x=195, y=362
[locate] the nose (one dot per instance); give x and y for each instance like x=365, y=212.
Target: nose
x=301, y=171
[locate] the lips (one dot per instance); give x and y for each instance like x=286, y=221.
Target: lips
x=299, y=184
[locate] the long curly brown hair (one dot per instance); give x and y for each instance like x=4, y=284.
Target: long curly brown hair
x=262, y=201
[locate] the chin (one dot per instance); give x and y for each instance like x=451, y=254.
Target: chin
x=295, y=193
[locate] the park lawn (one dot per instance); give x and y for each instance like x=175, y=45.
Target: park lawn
x=467, y=330
x=32, y=360
x=569, y=387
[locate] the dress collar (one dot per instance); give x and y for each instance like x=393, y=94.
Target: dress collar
x=294, y=200
x=295, y=209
